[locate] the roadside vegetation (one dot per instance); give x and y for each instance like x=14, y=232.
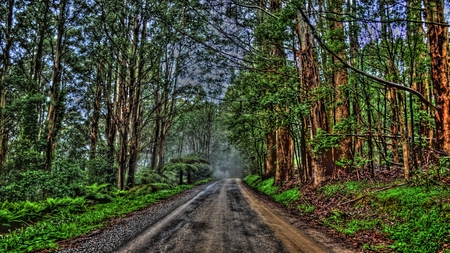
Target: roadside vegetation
x=43, y=223
x=55, y=212
x=378, y=216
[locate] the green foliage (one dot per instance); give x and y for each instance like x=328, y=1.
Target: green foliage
x=26, y=211
x=192, y=163
x=353, y=226
x=60, y=219
x=420, y=215
x=287, y=197
x=323, y=142
x=204, y=181
x=146, y=189
x=342, y=188
x=267, y=186
x=98, y=193
x=338, y=220
x=306, y=208
x=64, y=180
x=252, y=180
x=147, y=176
x=415, y=217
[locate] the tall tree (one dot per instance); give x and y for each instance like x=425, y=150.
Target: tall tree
x=438, y=43
x=56, y=100
x=340, y=85
x=6, y=61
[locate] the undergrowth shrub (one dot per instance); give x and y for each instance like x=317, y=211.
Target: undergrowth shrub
x=26, y=211
x=287, y=197
x=252, y=180
x=98, y=193
x=267, y=187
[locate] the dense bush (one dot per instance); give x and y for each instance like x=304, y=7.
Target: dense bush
x=34, y=185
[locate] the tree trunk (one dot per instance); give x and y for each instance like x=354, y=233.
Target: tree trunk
x=271, y=155
x=321, y=162
x=123, y=121
x=181, y=176
x=438, y=42
x=96, y=114
x=4, y=74
x=403, y=138
x=189, y=176
x=394, y=123
x=36, y=76
x=340, y=81
x=123, y=132
x=156, y=134
x=55, y=99
x=284, y=156
x=134, y=103
x=110, y=127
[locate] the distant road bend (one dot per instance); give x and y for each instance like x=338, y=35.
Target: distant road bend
x=224, y=217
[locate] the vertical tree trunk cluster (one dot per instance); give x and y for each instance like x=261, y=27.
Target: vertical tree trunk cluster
x=397, y=145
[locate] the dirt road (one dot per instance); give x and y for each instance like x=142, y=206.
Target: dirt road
x=224, y=217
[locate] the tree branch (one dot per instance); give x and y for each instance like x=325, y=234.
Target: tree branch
x=255, y=7
x=347, y=65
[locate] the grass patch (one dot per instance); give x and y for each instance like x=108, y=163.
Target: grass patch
x=267, y=186
x=416, y=218
x=287, y=197
x=305, y=208
x=420, y=217
x=343, y=188
x=60, y=219
x=252, y=180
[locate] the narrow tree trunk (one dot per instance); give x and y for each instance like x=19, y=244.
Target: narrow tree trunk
x=36, y=77
x=340, y=81
x=4, y=74
x=189, y=181
x=110, y=127
x=123, y=121
x=284, y=156
x=404, y=139
x=134, y=104
x=271, y=155
x=181, y=176
x=96, y=114
x=123, y=133
x=394, y=123
x=55, y=99
x=157, y=127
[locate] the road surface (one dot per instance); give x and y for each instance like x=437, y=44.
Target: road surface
x=224, y=217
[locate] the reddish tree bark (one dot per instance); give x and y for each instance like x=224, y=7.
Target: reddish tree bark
x=271, y=155
x=340, y=81
x=438, y=43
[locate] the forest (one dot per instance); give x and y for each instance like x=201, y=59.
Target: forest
x=111, y=101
